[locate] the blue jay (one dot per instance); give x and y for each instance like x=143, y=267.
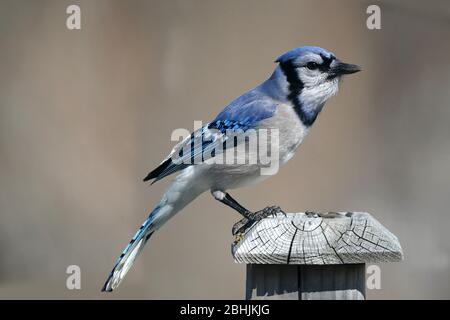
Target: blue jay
x=289, y=101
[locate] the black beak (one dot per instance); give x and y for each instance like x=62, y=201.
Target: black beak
x=339, y=68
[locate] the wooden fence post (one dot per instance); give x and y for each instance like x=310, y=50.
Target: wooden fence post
x=313, y=256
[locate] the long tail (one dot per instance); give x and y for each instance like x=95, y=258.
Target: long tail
x=182, y=191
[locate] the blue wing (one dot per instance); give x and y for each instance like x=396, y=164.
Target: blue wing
x=249, y=108
x=242, y=114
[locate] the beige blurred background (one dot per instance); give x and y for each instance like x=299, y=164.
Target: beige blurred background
x=84, y=115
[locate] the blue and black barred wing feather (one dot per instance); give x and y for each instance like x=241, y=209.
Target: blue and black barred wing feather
x=189, y=151
x=207, y=141
x=200, y=146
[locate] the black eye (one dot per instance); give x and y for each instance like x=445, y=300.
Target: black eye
x=312, y=65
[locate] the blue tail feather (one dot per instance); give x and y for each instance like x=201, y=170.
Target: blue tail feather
x=130, y=253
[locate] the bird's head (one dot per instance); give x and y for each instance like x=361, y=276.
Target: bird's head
x=309, y=76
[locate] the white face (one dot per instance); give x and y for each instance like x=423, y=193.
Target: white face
x=318, y=85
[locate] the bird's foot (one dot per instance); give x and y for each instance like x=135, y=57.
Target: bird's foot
x=317, y=214
x=266, y=212
x=312, y=214
x=242, y=225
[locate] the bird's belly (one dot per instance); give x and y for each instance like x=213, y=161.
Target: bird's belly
x=289, y=146
x=229, y=176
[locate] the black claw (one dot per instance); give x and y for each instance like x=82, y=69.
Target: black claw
x=311, y=214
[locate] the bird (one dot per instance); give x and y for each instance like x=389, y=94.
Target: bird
x=289, y=101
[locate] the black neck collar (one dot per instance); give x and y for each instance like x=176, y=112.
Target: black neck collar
x=294, y=90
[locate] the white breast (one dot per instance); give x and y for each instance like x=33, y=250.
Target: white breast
x=291, y=130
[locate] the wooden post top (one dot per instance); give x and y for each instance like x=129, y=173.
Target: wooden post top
x=311, y=238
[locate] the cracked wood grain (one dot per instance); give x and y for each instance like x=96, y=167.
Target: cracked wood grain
x=331, y=238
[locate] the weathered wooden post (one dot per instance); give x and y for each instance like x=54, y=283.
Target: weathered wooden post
x=313, y=256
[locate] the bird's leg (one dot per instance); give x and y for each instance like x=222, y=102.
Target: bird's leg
x=226, y=199
x=249, y=217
